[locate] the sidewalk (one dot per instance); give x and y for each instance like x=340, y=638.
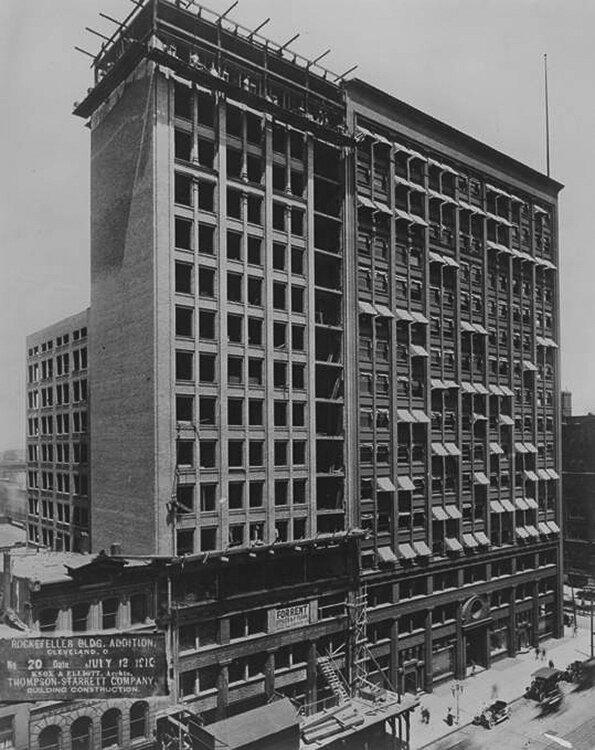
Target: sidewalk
x=510, y=676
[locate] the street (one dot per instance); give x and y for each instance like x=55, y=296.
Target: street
x=573, y=724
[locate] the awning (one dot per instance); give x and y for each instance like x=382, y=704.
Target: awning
x=384, y=312
x=363, y=132
x=469, y=207
x=520, y=503
x=482, y=539
x=439, y=450
x=480, y=478
x=384, y=484
x=437, y=383
x=521, y=532
x=405, y=483
x=453, y=511
x=496, y=450
x=529, y=366
x=498, y=191
x=400, y=214
x=417, y=351
x=406, y=551
x=418, y=219
x=467, y=326
x=532, y=503
x=496, y=245
x=386, y=556
x=506, y=390
x=540, y=341
x=422, y=549
x=520, y=448
x=380, y=206
x=366, y=308
x=544, y=528
x=453, y=545
x=481, y=389
x=496, y=507
x=365, y=202
x=539, y=210
x=382, y=139
x=435, y=257
x=402, y=181
x=551, y=342
x=420, y=416
x=451, y=384
x=531, y=530
x=404, y=415
x=494, y=389
x=506, y=420
x=542, y=474
x=507, y=505
x=530, y=476
x=554, y=528
x=400, y=147
x=403, y=315
x=419, y=318
x=531, y=448
x=452, y=449
x=439, y=514
x=470, y=541
x=441, y=197
x=500, y=219
x=480, y=329
x=468, y=388
x=553, y=474
x=479, y=417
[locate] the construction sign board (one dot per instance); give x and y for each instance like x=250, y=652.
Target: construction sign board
x=82, y=666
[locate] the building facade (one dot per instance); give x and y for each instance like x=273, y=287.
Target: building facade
x=57, y=435
x=578, y=482
x=316, y=309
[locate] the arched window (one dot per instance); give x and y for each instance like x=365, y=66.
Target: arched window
x=81, y=734
x=139, y=715
x=50, y=738
x=110, y=728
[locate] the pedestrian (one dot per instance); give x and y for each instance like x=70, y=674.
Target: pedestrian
x=536, y=653
x=473, y=667
x=494, y=691
x=427, y=715
x=543, y=654
x=449, y=717
x=550, y=664
x=574, y=629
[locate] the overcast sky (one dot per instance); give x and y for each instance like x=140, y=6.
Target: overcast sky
x=476, y=65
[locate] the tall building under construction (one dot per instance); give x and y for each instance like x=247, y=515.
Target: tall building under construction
x=319, y=317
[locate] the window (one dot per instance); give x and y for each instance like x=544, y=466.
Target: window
x=50, y=738
x=206, y=196
x=297, y=261
x=206, y=282
x=297, y=337
x=255, y=331
x=236, y=453
x=254, y=250
x=299, y=452
x=109, y=613
x=183, y=101
x=208, y=497
x=183, y=190
x=80, y=617
x=235, y=370
x=299, y=414
x=110, y=728
x=254, y=291
x=184, y=408
x=235, y=411
x=254, y=209
x=235, y=325
x=184, y=316
x=208, y=539
x=185, y=498
x=255, y=371
x=207, y=454
x=255, y=453
x=183, y=278
x=255, y=495
x=279, y=295
x=297, y=299
x=206, y=324
x=48, y=620
x=183, y=145
x=206, y=239
x=138, y=608
x=279, y=335
x=139, y=720
x=234, y=246
x=185, y=541
x=185, y=452
x=279, y=253
x=81, y=733
x=255, y=412
x=234, y=287
x=206, y=365
x=280, y=374
x=297, y=374
x=281, y=452
x=236, y=495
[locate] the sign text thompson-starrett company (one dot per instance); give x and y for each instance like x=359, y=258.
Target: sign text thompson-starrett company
x=98, y=666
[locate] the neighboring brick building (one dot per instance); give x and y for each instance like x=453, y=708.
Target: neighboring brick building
x=578, y=483
x=57, y=435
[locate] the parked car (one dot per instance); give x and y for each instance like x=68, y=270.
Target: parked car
x=493, y=714
x=552, y=700
x=543, y=681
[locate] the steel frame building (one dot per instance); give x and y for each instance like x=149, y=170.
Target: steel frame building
x=314, y=309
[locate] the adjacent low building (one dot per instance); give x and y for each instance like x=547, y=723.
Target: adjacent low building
x=57, y=435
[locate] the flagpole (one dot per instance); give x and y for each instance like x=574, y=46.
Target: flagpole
x=547, y=118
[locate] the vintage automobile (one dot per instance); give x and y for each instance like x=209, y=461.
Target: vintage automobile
x=581, y=673
x=543, y=682
x=493, y=714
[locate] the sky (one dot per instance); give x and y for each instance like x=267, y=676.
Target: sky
x=477, y=65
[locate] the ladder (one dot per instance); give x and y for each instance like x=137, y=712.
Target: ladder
x=332, y=675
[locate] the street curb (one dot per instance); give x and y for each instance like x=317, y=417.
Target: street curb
x=461, y=726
